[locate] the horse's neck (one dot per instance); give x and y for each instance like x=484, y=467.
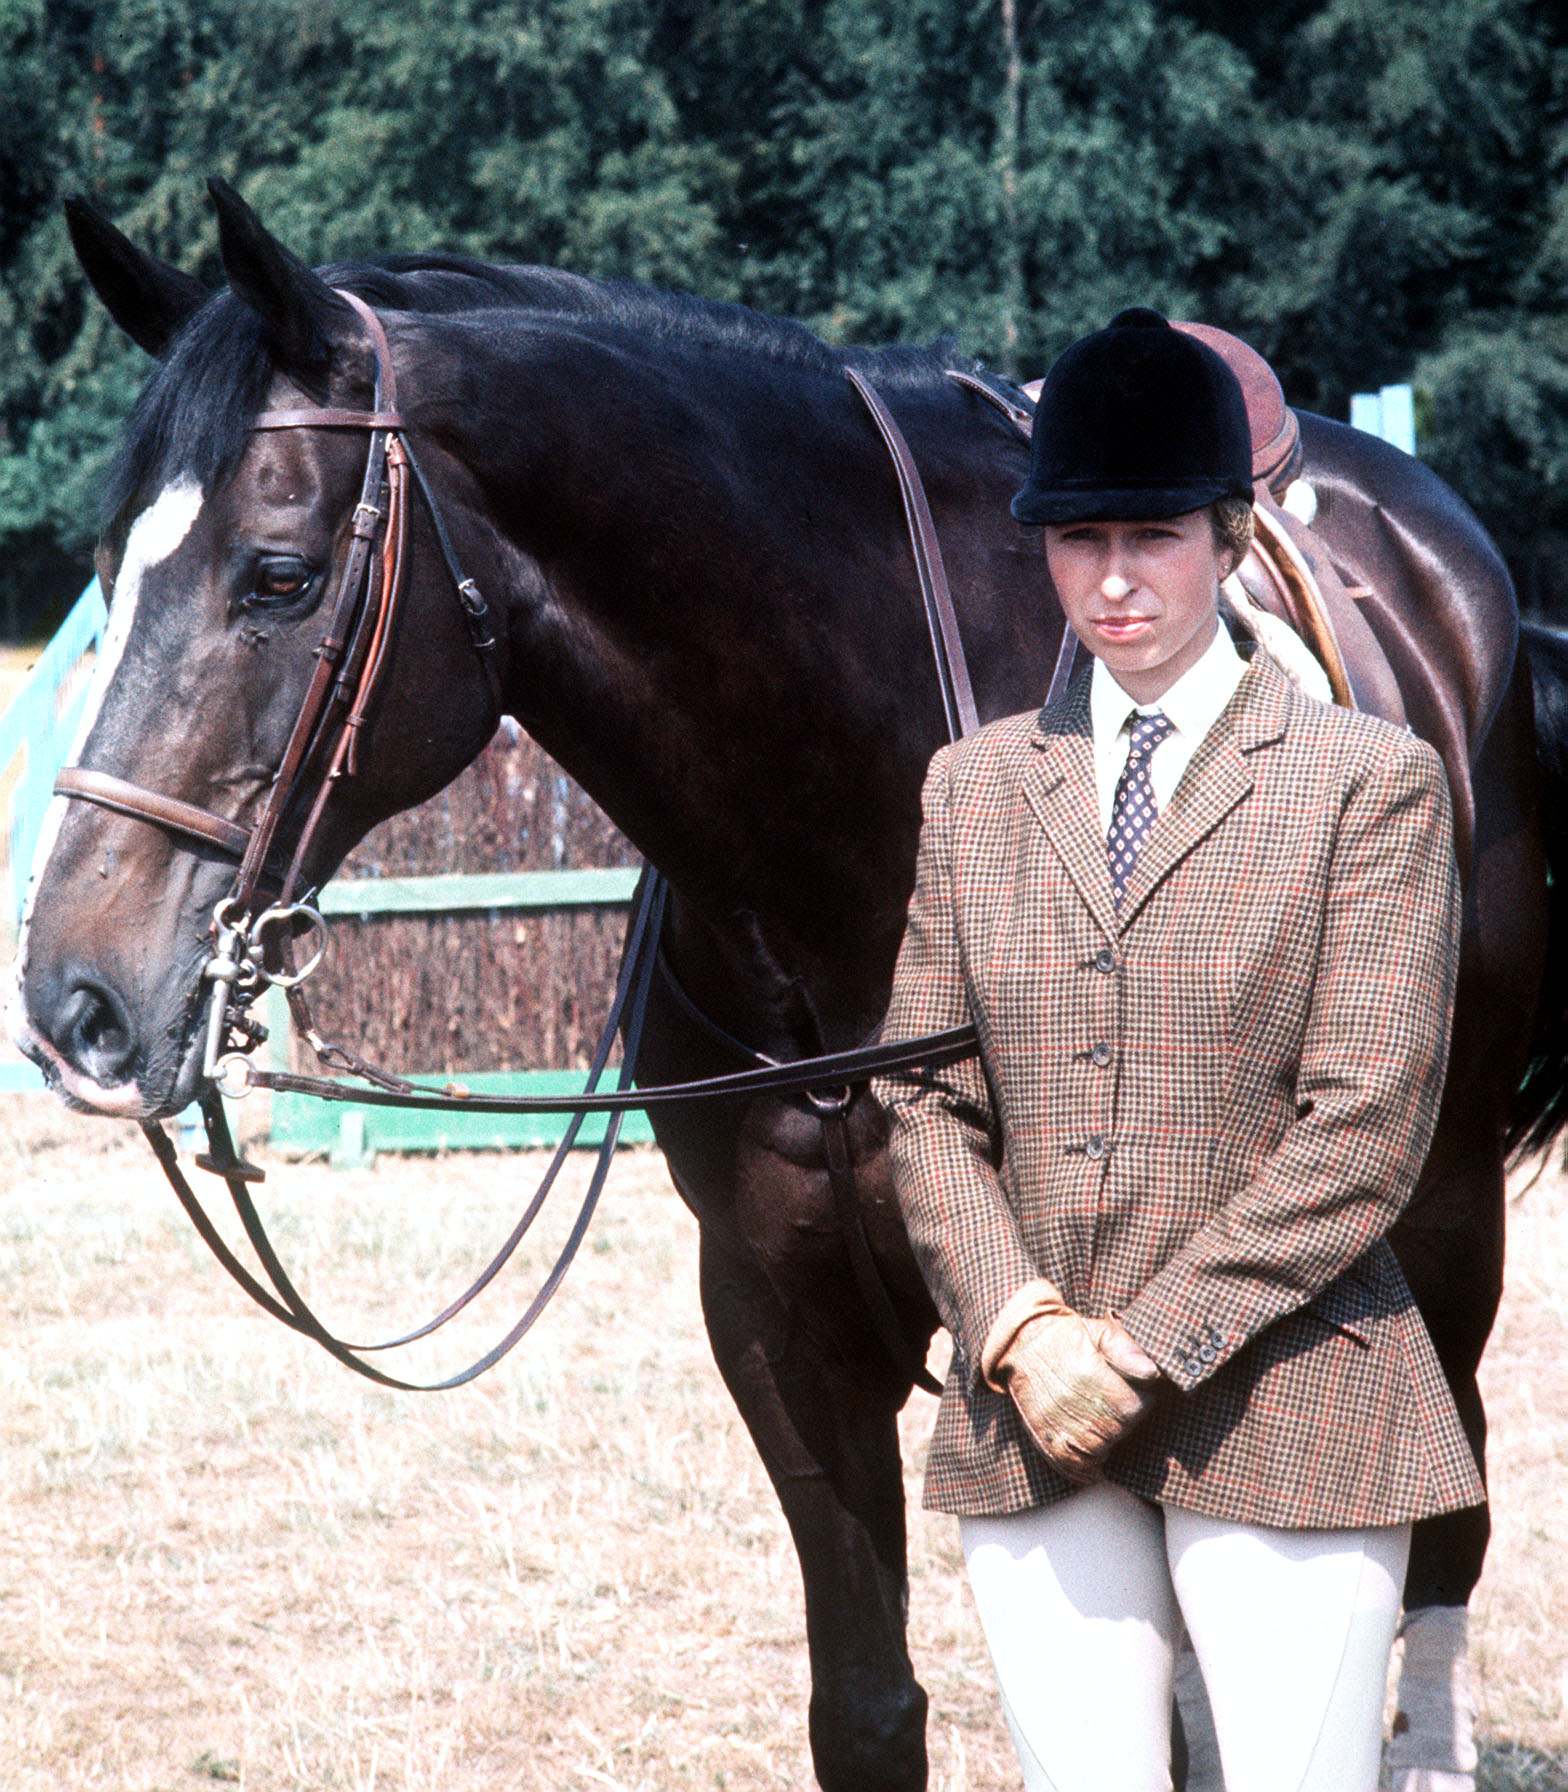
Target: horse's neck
x=732, y=686
x=714, y=628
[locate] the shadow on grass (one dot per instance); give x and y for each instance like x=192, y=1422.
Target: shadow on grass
x=1507, y=1767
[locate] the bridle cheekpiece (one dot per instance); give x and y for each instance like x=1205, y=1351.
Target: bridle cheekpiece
x=251, y=935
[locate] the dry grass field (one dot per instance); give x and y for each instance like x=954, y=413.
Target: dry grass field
x=225, y=1560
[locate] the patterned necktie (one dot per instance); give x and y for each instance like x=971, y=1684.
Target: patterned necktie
x=1133, y=811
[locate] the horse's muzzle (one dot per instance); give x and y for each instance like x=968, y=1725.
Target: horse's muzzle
x=81, y=1033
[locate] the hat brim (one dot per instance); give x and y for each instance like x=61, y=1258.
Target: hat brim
x=1130, y=504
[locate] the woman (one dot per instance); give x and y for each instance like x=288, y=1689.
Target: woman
x=1207, y=928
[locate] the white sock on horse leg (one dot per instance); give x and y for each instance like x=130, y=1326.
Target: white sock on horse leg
x=1433, y=1747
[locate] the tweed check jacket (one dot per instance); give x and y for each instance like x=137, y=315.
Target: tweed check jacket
x=1202, y=1112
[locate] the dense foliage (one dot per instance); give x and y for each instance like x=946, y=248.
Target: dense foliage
x=1368, y=190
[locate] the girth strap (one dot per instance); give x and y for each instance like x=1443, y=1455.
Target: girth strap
x=833, y=1113
x=961, y=716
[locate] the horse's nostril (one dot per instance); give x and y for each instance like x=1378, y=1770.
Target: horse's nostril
x=94, y=1031
x=96, y=1028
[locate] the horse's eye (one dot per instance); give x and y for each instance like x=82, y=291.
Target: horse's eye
x=279, y=579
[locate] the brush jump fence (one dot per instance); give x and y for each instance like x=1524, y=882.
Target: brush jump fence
x=476, y=937
x=486, y=969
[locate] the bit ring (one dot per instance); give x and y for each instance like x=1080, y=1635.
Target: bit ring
x=232, y=1077
x=282, y=915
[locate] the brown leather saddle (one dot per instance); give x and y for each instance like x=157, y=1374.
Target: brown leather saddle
x=1289, y=571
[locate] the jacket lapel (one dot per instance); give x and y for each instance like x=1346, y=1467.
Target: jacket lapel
x=1217, y=779
x=1059, y=787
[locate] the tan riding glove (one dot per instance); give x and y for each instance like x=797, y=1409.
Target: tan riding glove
x=1080, y=1385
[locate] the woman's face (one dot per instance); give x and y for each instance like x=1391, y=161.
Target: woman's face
x=1142, y=596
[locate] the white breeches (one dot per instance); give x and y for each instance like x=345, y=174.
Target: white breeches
x=1083, y=1603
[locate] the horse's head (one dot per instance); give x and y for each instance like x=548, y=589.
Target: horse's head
x=223, y=562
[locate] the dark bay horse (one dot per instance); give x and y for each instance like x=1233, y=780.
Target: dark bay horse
x=693, y=539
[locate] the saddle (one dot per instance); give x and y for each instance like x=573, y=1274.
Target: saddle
x=1289, y=574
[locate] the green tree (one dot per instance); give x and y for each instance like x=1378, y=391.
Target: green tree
x=1367, y=190
x=1434, y=140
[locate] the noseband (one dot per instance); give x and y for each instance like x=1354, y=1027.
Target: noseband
x=351, y=657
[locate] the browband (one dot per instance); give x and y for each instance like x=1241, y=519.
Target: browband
x=324, y=419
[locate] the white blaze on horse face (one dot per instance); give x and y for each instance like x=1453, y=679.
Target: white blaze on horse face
x=153, y=537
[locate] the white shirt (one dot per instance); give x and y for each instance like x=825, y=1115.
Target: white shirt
x=1192, y=705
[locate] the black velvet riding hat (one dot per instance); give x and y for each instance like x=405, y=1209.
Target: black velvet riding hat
x=1138, y=420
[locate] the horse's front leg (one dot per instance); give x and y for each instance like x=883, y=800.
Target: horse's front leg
x=821, y=1400
x=827, y=1433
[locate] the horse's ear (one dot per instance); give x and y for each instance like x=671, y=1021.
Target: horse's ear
x=304, y=317
x=146, y=297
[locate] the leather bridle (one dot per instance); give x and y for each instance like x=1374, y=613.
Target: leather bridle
x=252, y=948
x=349, y=659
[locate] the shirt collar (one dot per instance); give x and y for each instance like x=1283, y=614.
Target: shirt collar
x=1193, y=704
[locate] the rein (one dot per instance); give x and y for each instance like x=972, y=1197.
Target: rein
x=253, y=950
x=284, y=1301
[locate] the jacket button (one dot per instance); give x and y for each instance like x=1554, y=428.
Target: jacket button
x=1094, y=1146
x=1105, y=960
x=1101, y=1054
x=1193, y=1366
x=1207, y=1353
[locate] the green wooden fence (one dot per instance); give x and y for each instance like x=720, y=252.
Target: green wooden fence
x=350, y=1133
x=36, y=731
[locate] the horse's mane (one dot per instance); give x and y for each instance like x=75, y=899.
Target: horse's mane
x=191, y=418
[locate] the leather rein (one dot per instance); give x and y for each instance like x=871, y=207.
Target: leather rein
x=253, y=934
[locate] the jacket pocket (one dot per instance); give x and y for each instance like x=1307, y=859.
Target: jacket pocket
x=1351, y=1305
